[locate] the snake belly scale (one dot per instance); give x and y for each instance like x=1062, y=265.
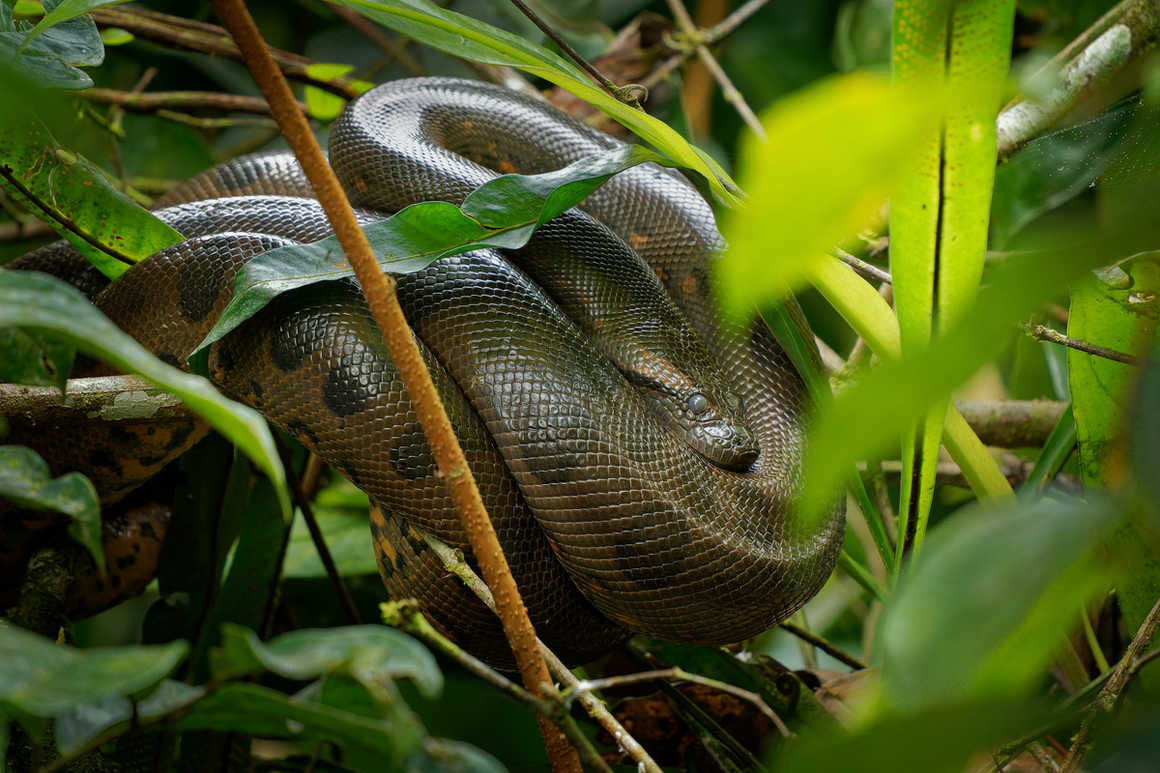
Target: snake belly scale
x=638, y=457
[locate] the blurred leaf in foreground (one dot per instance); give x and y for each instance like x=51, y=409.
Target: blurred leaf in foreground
x=832, y=153
x=989, y=602
x=26, y=480
x=41, y=678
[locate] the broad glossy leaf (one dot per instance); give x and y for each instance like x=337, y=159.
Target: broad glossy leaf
x=367, y=744
x=503, y=212
x=1144, y=440
x=37, y=301
x=989, y=602
x=66, y=10
x=1119, y=314
x=371, y=654
x=803, y=196
x=77, y=200
x=79, y=724
x=51, y=59
x=41, y=678
x=33, y=359
x=26, y=481
x=463, y=36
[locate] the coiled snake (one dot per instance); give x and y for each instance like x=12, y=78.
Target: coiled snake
x=628, y=445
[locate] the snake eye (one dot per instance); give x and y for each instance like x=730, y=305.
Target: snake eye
x=698, y=403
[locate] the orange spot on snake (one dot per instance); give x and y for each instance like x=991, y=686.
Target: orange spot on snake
x=689, y=285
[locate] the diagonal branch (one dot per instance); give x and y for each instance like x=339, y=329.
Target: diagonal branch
x=379, y=290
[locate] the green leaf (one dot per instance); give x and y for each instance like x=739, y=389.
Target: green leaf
x=322, y=104
x=32, y=300
x=66, y=10
x=988, y=603
x=1116, y=315
x=805, y=197
x=341, y=512
x=41, y=678
x=372, y=655
x=1144, y=442
x=1060, y=443
x=80, y=724
x=468, y=38
x=367, y=744
x=26, y=480
x=77, y=200
x=503, y=212
x=51, y=59
x=33, y=359
x=944, y=739
x=246, y=596
x=115, y=36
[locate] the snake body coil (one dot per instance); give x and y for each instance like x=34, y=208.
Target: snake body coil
x=637, y=456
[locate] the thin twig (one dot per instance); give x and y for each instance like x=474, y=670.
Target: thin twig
x=188, y=35
x=588, y=685
x=302, y=500
x=695, y=39
x=1085, y=38
x=406, y=616
x=867, y=271
x=632, y=94
x=161, y=100
x=453, y=562
x=824, y=646
x=1044, y=333
x=379, y=291
x=730, y=23
x=1109, y=695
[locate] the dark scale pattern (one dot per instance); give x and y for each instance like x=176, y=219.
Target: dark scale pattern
x=593, y=482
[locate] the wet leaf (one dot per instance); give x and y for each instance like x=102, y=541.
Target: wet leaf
x=80, y=724
x=469, y=38
x=41, y=678
x=39, y=302
x=503, y=213
x=372, y=655
x=66, y=10
x=26, y=481
x=77, y=200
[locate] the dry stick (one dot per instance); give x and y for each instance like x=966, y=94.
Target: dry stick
x=379, y=291
x=406, y=616
x=302, y=499
x=1044, y=333
x=680, y=674
x=728, y=90
x=1109, y=695
x=176, y=32
x=164, y=100
x=630, y=94
x=867, y=271
x=824, y=646
x=710, y=37
x=453, y=562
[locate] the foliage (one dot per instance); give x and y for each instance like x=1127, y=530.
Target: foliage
x=993, y=634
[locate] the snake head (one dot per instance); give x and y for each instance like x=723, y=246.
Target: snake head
x=709, y=417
